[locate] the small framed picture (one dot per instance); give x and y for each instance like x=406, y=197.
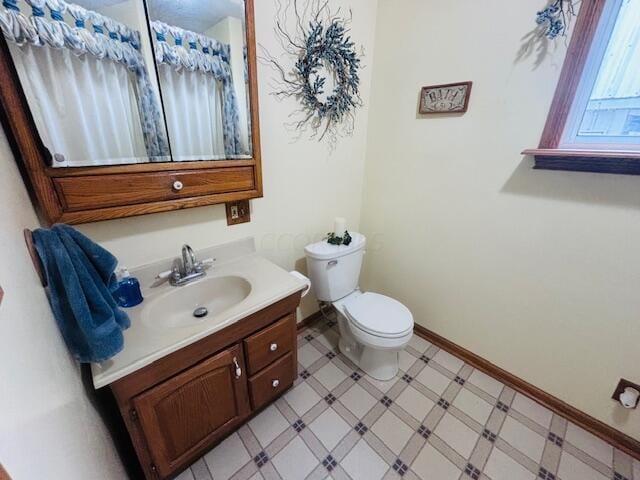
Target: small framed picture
x=447, y=98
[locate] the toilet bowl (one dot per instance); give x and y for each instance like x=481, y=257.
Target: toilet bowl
x=373, y=328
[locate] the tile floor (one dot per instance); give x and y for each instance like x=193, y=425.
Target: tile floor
x=439, y=419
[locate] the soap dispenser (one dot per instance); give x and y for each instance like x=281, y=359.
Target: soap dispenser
x=128, y=293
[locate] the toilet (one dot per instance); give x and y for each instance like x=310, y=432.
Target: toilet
x=373, y=328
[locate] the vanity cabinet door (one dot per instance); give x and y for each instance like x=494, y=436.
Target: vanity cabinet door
x=182, y=417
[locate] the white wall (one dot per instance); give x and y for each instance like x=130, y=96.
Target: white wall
x=305, y=187
x=48, y=428
x=535, y=271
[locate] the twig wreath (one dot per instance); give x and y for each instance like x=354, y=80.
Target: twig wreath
x=323, y=50
x=551, y=22
x=555, y=17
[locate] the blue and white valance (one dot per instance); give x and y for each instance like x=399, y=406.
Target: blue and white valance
x=190, y=50
x=186, y=50
x=89, y=34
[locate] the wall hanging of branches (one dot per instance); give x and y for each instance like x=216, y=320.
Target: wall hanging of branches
x=551, y=22
x=319, y=68
x=554, y=19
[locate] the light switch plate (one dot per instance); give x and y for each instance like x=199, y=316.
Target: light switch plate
x=238, y=212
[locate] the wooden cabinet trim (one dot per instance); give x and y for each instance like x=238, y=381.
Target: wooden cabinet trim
x=96, y=191
x=146, y=168
x=95, y=215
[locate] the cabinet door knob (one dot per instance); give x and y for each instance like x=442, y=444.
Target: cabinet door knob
x=178, y=185
x=273, y=347
x=275, y=383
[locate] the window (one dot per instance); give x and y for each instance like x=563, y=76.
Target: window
x=594, y=123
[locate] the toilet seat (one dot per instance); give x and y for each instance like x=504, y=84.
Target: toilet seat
x=379, y=315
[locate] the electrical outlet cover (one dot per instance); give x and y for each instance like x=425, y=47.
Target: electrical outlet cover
x=620, y=389
x=238, y=212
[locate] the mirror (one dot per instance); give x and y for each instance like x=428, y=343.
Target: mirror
x=113, y=82
x=200, y=53
x=84, y=69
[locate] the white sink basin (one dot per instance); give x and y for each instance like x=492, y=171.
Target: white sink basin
x=175, y=308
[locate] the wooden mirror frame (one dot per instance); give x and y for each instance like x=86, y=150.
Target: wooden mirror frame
x=87, y=194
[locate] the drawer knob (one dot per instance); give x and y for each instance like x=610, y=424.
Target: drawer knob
x=178, y=185
x=273, y=347
x=275, y=383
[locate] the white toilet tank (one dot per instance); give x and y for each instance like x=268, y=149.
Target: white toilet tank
x=334, y=270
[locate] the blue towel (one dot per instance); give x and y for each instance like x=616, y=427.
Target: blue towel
x=81, y=280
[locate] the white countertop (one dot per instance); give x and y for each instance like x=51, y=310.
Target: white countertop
x=145, y=343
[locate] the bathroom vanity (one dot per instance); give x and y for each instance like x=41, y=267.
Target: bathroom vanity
x=183, y=383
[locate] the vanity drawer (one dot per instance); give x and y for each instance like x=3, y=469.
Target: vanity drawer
x=272, y=381
x=270, y=344
x=100, y=191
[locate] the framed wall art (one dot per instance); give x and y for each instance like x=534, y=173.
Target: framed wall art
x=447, y=98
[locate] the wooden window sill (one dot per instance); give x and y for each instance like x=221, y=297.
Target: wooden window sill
x=621, y=162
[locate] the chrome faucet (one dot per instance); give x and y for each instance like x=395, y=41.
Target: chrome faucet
x=188, y=260
x=189, y=269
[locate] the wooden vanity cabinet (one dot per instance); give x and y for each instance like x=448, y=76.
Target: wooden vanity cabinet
x=182, y=405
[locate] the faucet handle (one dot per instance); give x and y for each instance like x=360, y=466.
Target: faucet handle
x=164, y=275
x=172, y=275
x=205, y=264
x=175, y=272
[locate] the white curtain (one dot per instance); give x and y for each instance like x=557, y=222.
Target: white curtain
x=85, y=108
x=86, y=82
x=211, y=60
x=193, y=109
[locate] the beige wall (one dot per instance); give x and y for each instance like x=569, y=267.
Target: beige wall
x=48, y=428
x=305, y=187
x=535, y=271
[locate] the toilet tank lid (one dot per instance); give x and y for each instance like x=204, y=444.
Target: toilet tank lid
x=325, y=251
